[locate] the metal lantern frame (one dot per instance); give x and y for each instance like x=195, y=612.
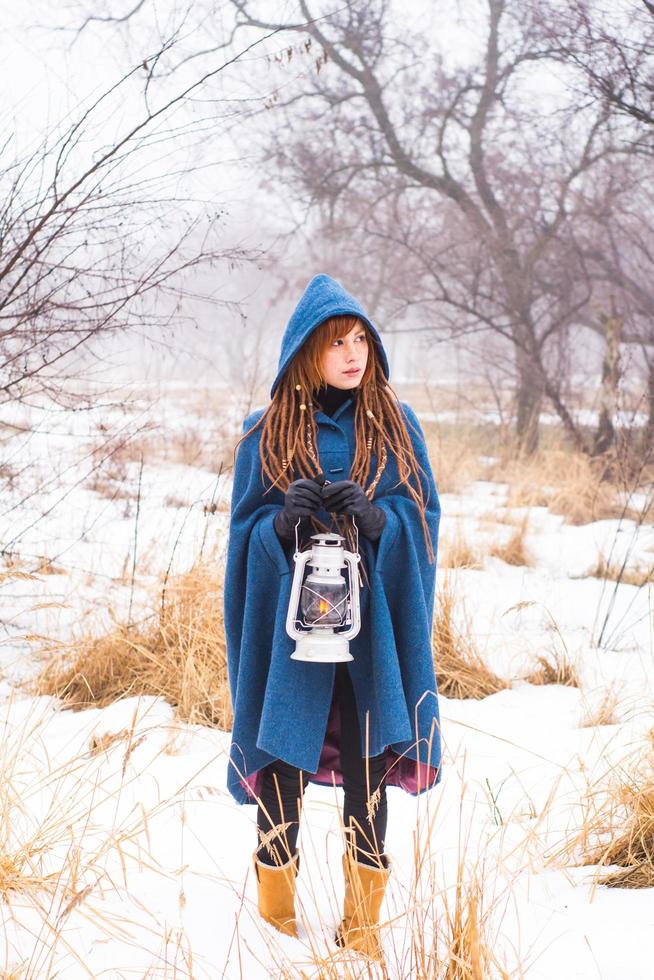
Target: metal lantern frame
x=315, y=643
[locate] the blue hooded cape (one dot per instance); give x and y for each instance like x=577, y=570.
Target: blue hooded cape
x=282, y=707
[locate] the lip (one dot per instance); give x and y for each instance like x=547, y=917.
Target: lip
x=353, y=371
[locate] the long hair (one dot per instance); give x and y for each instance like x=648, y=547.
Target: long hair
x=289, y=439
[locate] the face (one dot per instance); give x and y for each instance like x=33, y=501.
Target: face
x=344, y=361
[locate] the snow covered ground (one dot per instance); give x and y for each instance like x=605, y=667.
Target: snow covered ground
x=127, y=806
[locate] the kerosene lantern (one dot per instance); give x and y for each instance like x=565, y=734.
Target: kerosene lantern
x=327, y=602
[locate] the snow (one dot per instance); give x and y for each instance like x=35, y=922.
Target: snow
x=150, y=854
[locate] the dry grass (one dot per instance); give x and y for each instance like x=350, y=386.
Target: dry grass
x=618, y=826
x=456, y=455
x=461, y=671
x=439, y=926
x=189, y=447
x=20, y=872
x=472, y=956
x=615, y=571
x=116, y=458
x=172, y=501
x=16, y=567
x=102, y=743
x=47, y=567
x=502, y=516
x=580, y=488
x=514, y=551
x=73, y=825
x=567, y=482
x=457, y=552
x=111, y=457
x=179, y=654
x=112, y=488
x=604, y=712
x=44, y=813
x=554, y=667
x=633, y=849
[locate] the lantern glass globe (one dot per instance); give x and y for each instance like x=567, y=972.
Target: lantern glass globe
x=324, y=603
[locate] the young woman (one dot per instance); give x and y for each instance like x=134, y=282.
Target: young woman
x=333, y=449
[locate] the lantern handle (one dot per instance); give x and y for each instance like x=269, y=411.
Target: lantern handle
x=356, y=549
x=297, y=543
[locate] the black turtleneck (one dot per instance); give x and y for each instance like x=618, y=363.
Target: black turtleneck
x=330, y=398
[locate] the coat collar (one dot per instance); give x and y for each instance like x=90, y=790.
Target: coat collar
x=323, y=417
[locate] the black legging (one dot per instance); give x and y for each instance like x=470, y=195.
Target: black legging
x=363, y=784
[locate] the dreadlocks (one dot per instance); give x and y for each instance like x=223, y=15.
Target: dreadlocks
x=289, y=434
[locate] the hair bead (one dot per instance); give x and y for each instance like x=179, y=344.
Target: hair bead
x=370, y=413
x=298, y=387
x=303, y=407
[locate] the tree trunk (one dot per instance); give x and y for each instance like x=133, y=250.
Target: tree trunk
x=529, y=402
x=648, y=431
x=605, y=435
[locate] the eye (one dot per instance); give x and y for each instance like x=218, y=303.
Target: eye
x=339, y=340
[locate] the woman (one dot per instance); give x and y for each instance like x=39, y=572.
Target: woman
x=334, y=448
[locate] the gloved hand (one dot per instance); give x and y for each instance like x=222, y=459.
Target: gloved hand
x=303, y=498
x=348, y=497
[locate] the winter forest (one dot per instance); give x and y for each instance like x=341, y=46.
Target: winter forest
x=478, y=174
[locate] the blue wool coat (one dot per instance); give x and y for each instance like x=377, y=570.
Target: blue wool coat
x=282, y=706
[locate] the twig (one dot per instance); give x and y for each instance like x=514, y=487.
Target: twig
x=170, y=563
x=210, y=511
x=136, y=538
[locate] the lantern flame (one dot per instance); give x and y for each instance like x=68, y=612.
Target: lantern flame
x=324, y=607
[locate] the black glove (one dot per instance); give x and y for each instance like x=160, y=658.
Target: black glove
x=348, y=497
x=303, y=498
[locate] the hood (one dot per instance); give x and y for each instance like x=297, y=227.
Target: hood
x=323, y=297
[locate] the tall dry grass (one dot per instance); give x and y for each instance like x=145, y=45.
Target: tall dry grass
x=461, y=671
x=177, y=653
x=434, y=924
x=566, y=482
x=618, y=825
x=455, y=551
x=569, y=483
x=457, y=455
x=472, y=956
x=605, y=711
x=554, y=667
x=514, y=550
x=631, y=849
x=40, y=845
x=69, y=833
x=616, y=571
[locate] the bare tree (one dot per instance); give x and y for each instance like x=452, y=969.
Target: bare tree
x=461, y=167
x=100, y=230
x=617, y=242
x=458, y=192
x=613, y=45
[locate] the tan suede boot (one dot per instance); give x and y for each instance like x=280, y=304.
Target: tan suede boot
x=276, y=893
x=364, y=892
